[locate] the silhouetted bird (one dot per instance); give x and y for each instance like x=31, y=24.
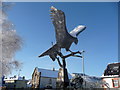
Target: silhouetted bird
x=63, y=38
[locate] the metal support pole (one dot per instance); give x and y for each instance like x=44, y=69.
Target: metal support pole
x=63, y=65
x=65, y=78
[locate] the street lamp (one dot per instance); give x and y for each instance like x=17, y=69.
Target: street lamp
x=83, y=68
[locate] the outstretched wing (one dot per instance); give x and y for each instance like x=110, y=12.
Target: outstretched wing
x=58, y=19
x=52, y=52
x=75, y=32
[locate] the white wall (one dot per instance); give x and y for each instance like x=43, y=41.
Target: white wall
x=110, y=82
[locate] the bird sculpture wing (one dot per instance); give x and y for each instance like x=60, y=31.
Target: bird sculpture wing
x=76, y=31
x=58, y=19
x=52, y=52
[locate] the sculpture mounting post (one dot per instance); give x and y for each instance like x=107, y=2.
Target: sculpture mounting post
x=63, y=65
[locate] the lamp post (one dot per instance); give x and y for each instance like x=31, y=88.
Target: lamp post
x=83, y=67
x=19, y=72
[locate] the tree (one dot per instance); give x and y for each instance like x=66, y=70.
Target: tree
x=10, y=42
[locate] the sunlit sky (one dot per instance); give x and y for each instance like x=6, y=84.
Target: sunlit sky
x=99, y=40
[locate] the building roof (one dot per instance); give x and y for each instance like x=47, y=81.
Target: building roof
x=87, y=78
x=14, y=78
x=112, y=69
x=50, y=73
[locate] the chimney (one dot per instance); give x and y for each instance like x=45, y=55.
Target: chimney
x=23, y=77
x=53, y=69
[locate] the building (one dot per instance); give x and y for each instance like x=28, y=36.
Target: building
x=42, y=78
x=111, y=76
x=15, y=82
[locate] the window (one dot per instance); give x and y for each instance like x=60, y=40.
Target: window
x=115, y=83
x=50, y=81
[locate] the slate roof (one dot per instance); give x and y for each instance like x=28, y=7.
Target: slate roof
x=50, y=73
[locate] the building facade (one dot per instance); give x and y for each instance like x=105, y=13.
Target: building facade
x=111, y=76
x=42, y=78
x=15, y=82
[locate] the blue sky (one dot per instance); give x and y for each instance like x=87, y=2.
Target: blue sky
x=99, y=40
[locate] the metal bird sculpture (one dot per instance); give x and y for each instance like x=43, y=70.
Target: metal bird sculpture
x=63, y=38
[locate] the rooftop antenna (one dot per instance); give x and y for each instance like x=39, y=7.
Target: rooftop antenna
x=19, y=72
